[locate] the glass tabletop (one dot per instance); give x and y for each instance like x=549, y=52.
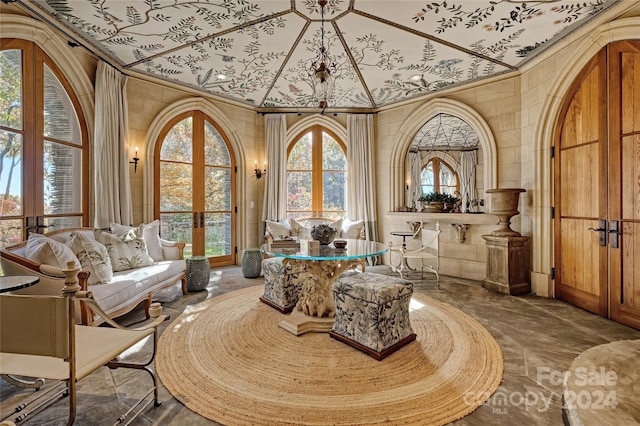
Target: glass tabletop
x=17, y=282
x=356, y=249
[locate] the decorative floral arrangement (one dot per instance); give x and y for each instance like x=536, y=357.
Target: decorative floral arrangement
x=438, y=197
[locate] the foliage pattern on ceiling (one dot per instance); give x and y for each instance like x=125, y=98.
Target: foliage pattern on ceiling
x=254, y=51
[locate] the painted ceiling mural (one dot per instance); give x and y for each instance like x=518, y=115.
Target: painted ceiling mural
x=255, y=52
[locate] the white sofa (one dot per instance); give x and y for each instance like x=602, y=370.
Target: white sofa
x=126, y=290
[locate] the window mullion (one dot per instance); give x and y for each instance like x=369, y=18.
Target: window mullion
x=316, y=175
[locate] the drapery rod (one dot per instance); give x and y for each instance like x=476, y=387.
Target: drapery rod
x=444, y=148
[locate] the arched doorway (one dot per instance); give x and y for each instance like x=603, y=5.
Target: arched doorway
x=195, y=187
x=597, y=199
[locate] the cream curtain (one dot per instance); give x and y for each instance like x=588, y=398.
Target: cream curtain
x=361, y=194
x=275, y=186
x=467, y=175
x=112, y=185
x=415, y=187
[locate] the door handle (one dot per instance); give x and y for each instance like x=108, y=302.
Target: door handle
x=602, y=231
x=196, y=222
x=614, y=234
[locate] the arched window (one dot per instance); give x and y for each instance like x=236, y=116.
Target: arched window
x=316, y=175
x=438, y=176
x=442, y=158
x=43, y=145
x=195, y=177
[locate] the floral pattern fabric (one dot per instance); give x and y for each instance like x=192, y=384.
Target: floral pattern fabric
x=127, y=251
x=280, y=284
x=93, y=257
x=372, y=309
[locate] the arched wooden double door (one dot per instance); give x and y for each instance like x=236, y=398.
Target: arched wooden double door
x=195, y=186
x=597, y=187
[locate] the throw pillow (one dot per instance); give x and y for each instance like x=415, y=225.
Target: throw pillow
x=44, y=250
x=299, y=230
x=149, y=232
x=278, y=229
x=93, y=257
x=127, y=251
x=352, y=228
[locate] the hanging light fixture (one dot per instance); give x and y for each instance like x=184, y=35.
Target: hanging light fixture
x=322, y=70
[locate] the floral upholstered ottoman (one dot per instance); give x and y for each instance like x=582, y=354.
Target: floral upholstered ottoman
x=372, y=313
x=281, y=289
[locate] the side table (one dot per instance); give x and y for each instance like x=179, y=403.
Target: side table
x=198, y=273
x=251, y=262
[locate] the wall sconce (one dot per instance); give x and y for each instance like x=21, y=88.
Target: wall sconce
x=259, y=172
x=135, y=161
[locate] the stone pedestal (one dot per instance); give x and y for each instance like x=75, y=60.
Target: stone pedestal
x=506, y=264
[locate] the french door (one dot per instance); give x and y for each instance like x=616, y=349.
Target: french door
x=43, y=145
x=597, y=188
x=195, y=181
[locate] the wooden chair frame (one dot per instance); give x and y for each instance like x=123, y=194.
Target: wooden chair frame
x=59, y=349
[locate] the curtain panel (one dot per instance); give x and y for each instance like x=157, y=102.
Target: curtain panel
x=111, y=160
x=415, y=187
x=467, y=175
x=361, y=194
x=275, y=186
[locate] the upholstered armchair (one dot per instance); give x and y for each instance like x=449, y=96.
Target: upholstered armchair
x=39, y=338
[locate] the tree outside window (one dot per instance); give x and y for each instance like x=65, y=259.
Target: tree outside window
x=316, y=175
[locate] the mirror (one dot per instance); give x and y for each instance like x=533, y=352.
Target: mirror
x=445, y=156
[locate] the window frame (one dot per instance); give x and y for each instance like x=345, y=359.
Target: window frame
x=317, y=193
x=437, y=162
x=34, y=59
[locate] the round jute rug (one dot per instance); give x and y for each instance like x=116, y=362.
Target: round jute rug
x=227, y=360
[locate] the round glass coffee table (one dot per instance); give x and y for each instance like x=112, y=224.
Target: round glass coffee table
x=17, y=282
x=316, y=307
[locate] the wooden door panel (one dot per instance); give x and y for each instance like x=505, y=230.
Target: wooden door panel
x=629, y=178
x=630, y=294
x=581, y=265
x=580, y=261
x=624, y=181
x=582, y=113
x=630, y=102
x=579, y=191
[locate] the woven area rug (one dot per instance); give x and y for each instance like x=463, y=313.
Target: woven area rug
x=227, y=360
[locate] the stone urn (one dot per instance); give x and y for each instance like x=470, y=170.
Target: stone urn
x=323, y=233
x=504, y=204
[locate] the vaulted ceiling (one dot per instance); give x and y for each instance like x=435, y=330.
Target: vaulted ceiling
x=255, y=52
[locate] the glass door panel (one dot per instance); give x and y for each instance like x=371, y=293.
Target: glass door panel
x=178, y=227
x=218, y=234
x=11, y=141
x=196, y=189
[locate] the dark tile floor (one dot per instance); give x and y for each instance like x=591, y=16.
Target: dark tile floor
x=539, y=338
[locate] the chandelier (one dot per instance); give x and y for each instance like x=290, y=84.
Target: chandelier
x=322, y=70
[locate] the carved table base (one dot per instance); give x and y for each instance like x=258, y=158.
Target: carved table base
x=316, y=308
